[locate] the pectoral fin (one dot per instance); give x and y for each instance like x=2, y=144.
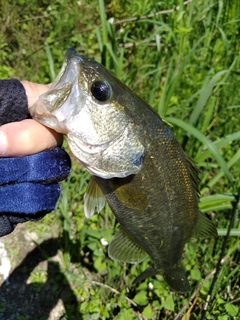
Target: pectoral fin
x=122, y=248
x=93, y=199
x=205, y=227
x=130, y=196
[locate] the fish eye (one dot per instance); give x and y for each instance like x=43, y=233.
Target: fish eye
x=101, y=90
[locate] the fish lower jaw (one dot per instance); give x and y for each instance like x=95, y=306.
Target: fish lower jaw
x=52, y=123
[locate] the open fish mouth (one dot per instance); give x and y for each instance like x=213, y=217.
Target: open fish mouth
x=54, y=107
x=50, y=120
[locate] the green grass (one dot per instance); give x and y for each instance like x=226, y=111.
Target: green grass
x=185, y=62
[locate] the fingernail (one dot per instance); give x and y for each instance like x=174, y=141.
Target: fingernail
x=3, y=143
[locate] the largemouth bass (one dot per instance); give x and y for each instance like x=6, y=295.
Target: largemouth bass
x=135, y=161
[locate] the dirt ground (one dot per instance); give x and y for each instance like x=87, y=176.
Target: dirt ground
x=21, y=295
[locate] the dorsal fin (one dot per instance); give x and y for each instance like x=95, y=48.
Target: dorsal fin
x=204, y=227
x=94, y=199
x=122, y=248
x=193, y=170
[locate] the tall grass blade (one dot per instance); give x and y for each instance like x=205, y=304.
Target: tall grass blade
x=172, y=82
x=216, y=202
x=233, y=232
x=205, y=94
x=104, y=40
x=219, y=144
x=99, y=38
x=205, y=141
x=219, y=175
x=116, y=61
x=103, y=21
x=208, y=114
x=163, y=104
x=50, y=62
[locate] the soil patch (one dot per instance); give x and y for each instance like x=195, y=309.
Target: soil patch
x=22, y=294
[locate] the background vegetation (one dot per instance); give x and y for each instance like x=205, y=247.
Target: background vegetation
x=183, y=58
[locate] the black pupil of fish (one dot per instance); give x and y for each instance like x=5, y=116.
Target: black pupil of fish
x=101, y=90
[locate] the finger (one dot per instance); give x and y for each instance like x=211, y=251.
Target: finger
x=33, y=91
x=26, y=137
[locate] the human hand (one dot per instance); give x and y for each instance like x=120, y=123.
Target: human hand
x=28, y=136
x=29, y=185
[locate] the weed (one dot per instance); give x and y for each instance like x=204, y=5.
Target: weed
x=183, y=58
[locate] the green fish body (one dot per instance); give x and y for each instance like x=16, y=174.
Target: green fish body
x=157, y=209
x=136, y=163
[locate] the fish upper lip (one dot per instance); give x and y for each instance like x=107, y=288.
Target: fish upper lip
x=39, y=113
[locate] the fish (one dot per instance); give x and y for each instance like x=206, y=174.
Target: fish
x=136, y=164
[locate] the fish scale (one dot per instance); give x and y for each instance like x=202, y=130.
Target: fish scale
x=136, y=163
x=160, y=222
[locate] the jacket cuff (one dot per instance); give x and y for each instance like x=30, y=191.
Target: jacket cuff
x=13, y=101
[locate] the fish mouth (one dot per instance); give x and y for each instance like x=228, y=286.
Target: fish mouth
x=39, y=113
x=52, y=107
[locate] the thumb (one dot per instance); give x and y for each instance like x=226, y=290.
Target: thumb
x=26, y=137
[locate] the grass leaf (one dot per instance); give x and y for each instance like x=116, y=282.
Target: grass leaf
x=205, y=141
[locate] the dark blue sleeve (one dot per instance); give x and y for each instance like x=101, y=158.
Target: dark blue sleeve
x=13, y=101
x=29, y=186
